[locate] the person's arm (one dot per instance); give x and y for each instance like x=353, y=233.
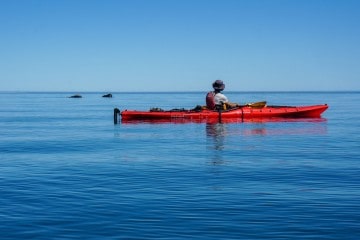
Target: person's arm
x=225, y=100
x=220, y=99
x=232, y=105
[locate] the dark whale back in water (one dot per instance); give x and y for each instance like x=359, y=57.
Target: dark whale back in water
x=109, y=95
x=76, y=96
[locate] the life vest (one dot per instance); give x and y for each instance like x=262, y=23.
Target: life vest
x=210, y=100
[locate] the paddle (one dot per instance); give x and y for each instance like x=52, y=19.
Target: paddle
x=261, y=104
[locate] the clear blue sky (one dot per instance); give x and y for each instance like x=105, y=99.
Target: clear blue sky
x=179, y=45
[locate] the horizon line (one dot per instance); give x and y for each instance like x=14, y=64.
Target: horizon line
x=194, y=91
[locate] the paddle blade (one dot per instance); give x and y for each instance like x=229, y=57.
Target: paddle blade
x=261, y=104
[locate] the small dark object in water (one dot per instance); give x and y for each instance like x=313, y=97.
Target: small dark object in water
x=109, y=95
x=76, y=96
x=116, y=114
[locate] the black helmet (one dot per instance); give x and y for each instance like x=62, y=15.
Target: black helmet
x=218, y=85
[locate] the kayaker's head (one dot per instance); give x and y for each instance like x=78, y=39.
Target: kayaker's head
x=218, y=85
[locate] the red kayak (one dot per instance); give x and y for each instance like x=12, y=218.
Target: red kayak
x=232, y=115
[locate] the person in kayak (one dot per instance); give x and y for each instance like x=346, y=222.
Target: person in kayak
x=217, y=100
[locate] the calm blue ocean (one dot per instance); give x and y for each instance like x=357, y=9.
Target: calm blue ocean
x=67, y=172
